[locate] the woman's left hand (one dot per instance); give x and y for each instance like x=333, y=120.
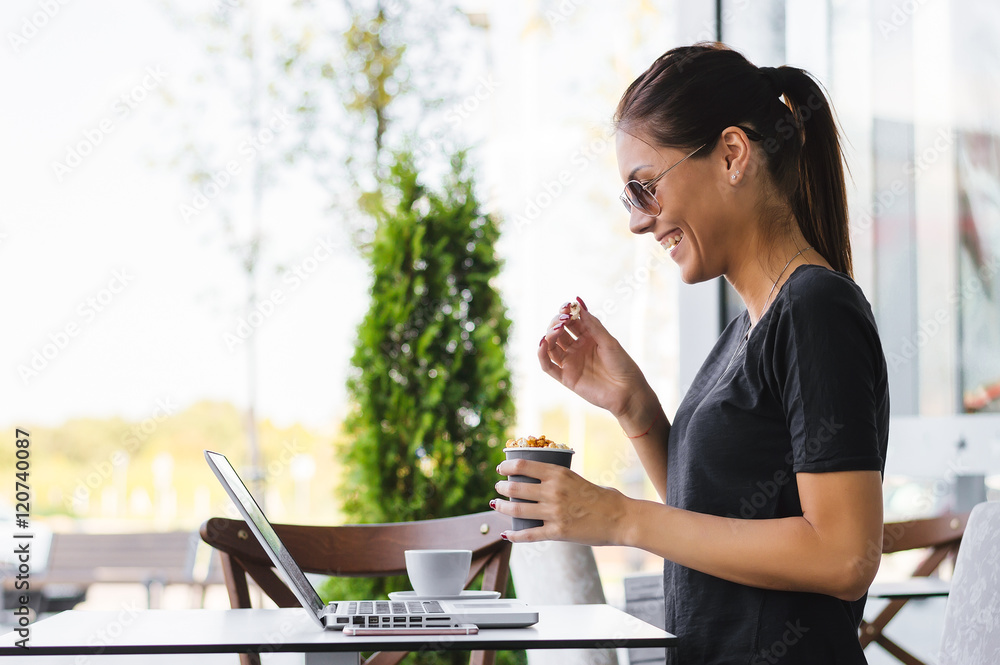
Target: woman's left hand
x=572, y=508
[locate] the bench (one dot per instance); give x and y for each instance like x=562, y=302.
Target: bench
x=77, y=560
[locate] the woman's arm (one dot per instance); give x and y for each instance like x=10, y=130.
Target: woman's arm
x=647, y=427
x=834, y=548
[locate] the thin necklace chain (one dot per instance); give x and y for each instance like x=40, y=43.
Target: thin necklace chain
x=746, y=335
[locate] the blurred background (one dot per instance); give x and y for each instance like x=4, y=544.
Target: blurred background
x=183, y=223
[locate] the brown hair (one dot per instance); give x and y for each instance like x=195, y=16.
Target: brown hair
x=691, y=93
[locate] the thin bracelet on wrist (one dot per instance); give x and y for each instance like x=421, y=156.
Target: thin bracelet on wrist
x=648, y=429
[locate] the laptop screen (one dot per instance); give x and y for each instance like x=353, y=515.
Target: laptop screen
x=254, y=517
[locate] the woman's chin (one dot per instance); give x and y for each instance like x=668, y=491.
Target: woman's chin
x=694, y=273
x=688, y=278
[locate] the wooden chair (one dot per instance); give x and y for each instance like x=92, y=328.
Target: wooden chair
x=371, y=550
x=941, y=537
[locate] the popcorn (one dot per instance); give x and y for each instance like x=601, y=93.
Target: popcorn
x=574, y=312
x=535, y=442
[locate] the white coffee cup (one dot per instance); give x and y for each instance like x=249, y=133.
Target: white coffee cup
x=438, y=573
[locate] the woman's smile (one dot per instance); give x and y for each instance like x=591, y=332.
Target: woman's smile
x=671, y=239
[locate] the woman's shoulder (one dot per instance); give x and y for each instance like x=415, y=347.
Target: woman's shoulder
x=821, y=304
x=814, y=289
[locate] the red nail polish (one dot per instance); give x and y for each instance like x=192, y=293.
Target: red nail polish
x=558, y=326
x=503, y=535
x=542, y=341
x=564, y=317
x=582, y=304
x=493, y=504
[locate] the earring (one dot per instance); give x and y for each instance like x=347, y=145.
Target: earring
x=734, y=176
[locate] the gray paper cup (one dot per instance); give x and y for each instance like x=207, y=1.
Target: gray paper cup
x=560, y=456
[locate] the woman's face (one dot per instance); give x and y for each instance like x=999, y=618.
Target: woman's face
x=692, y=205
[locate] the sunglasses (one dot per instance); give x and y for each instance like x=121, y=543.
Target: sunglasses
x=639, y=195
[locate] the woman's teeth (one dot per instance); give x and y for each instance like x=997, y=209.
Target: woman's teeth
x=671, y=241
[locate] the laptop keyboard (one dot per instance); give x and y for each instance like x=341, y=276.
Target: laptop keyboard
x=394, y=607
x=389, y=613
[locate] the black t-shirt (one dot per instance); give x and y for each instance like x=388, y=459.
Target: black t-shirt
x=807, y=392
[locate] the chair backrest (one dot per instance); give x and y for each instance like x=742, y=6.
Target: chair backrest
x=368, y=550
x=943, y=530
x=972, y=616
x=940, y=535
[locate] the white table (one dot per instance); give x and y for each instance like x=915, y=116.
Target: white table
x=79, y=632
x=914, y=588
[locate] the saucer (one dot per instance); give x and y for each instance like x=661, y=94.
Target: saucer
x=468, y=594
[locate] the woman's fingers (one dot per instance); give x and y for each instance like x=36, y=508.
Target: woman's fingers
x=556, y=342
x=556, y=354
x=528, y=467
x=548, y=365
x=525, y=535
x=514, y=490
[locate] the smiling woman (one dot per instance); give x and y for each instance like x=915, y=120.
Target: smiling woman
x=770, y=471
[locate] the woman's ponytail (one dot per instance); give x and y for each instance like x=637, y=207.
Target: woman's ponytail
x=819, y=200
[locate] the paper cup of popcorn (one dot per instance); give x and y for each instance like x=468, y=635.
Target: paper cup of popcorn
x=539, y=449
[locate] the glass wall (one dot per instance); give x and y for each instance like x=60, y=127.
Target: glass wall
x=915, y=88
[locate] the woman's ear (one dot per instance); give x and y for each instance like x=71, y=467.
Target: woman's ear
x=737, y=153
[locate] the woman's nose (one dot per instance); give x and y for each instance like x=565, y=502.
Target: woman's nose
x=639, y=222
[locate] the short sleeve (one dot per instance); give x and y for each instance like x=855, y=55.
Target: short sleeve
x=831, y=375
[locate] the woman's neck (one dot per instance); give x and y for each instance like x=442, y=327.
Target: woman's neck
x=763, y=267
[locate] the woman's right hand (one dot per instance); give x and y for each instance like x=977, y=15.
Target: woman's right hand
x=583, y=356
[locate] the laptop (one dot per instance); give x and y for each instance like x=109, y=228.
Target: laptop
x=415, y=614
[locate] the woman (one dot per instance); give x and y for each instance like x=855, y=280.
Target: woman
x=770, y=471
